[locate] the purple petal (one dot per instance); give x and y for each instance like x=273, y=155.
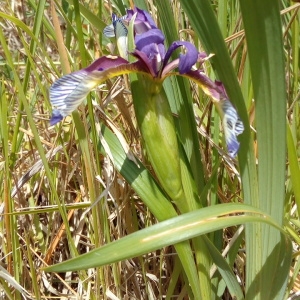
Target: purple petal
x=151, y=55
x=148, y=39
x=220, y=86
x=202, y=56
x=141, y=27
x=213, y=89
x=187, y=60
x=147, y=17
x=56, y=117
x=151, y=43
x=143, y=21
x=153, y=36
x=106, y=62
x=143, y=59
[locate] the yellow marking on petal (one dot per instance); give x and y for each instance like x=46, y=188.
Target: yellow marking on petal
x=91, y=84
x=112, y=56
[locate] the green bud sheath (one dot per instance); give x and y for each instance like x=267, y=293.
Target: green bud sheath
x=156, y=124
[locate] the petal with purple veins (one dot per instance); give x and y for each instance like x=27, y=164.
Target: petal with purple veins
x=232, y=126
x=67, y=93
x=110, y=30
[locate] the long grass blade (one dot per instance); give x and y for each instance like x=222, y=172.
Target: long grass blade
x=165, y=233
x=226, y=272
x=294, y=166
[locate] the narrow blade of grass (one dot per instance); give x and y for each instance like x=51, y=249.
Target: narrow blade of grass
x=294, y=166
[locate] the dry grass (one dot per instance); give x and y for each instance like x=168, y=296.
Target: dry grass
x=33, y=230
x=41, y=232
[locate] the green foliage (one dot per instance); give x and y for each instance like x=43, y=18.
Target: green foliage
x=88, y=200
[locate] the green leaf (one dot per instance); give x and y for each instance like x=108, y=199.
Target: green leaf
x=166, y=233
x=226, y=271
x=89, y=16
x=263, y=32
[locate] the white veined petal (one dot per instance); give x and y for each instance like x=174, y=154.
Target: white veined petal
x=109, y=31
x=119, y=30
x=239, y=127
x=67, y=93
x=232, y=126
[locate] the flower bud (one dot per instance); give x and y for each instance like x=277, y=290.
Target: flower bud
x=157, y=127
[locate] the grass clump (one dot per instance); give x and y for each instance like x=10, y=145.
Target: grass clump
x=70, y=189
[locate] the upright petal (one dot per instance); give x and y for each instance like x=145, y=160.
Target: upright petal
x=143, y=21
x=148, y=38
x=151, y=43
x=153, y=36
x=119, y=30
x=187, y=60
x=110, y=31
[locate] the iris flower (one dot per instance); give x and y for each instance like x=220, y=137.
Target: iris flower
x=152, y=64
x=68, y=92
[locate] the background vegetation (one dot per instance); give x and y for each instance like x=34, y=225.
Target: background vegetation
x=71, y=188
